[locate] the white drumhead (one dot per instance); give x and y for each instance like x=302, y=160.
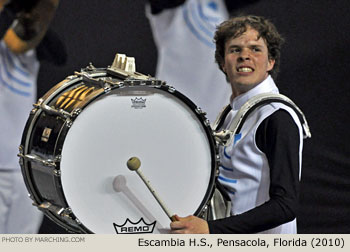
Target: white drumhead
x=162, y=132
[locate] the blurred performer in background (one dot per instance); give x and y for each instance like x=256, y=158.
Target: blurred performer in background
x=23, y=28
x=183, y=32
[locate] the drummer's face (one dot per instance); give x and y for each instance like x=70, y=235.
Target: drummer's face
x=246, y=60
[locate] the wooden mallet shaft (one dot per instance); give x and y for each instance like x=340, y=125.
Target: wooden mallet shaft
x=134, y=164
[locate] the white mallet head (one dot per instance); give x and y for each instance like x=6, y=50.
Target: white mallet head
x=119, y=183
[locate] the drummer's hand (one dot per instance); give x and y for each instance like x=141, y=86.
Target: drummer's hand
x=189, y=225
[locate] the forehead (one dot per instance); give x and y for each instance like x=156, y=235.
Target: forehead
x=249, y=37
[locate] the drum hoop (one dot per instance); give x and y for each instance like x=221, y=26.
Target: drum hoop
x=213, y=148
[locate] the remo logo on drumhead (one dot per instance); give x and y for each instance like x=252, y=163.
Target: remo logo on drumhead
x=138, y=103
x=139, y=227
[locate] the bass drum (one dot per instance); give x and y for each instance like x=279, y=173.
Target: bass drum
x=80, y=135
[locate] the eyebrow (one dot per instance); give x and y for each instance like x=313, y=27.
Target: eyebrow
x=239, y=46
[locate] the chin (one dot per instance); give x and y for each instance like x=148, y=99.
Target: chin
x=246, y=86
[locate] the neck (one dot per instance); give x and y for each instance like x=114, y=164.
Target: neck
x=238, y=89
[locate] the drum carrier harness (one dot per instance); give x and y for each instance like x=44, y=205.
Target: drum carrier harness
x=220, y=204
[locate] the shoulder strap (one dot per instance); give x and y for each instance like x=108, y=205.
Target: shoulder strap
x=221, y=118
x=254, y=103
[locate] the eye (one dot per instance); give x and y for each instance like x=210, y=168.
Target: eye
x=256, y=49
x=234, y=50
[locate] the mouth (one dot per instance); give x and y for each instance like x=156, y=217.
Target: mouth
x=244, y=69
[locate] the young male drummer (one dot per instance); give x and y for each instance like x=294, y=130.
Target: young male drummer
x=23, y=25
x=261, y=170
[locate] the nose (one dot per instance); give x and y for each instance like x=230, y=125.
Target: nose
x=244, y=55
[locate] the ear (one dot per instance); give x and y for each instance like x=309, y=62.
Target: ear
x=270, y=64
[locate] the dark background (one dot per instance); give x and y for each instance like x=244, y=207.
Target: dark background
x=314, y=73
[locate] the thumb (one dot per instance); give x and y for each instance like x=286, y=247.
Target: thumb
x=175, y=217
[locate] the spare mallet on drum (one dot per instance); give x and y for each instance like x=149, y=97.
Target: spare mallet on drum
x=134, y=164
x=120, y=185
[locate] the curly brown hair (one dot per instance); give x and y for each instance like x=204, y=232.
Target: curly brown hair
x=236, y=26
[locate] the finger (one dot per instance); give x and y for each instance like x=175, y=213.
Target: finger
x=176, y=225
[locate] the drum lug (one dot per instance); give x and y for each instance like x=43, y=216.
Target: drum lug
x=37, y=105
x=37, y=159
x=72, y=77
x=57, y=173
x=73, y=115
x=66, y=212
x=60, y=211
x=217, y=165
x=171, y=89
x=91, y=67
x=200, y=111
x=204, y=212
x=205, y=208
x=149, y=82
x=107, y=88
x=76, y=112
x=52, y=111
x=20, y=154
x=69, y=123
x=158, y=83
